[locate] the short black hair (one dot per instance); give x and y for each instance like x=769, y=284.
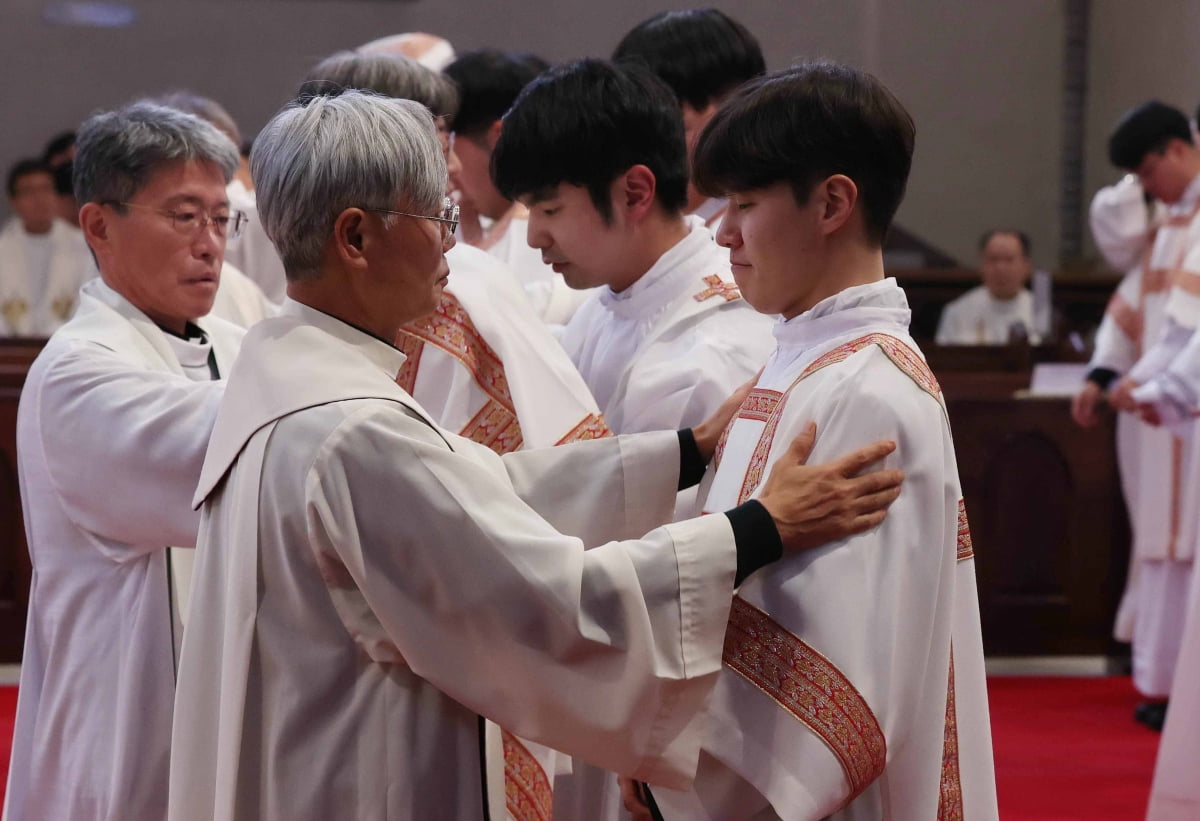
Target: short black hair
x=804, y=124
x=488, y=81
x=1145, y=128
x=25, y=168
x=1022, y=237
x=587, y=122
x=702, y=54
x=58, y=144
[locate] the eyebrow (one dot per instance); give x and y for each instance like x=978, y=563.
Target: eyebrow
x=189, y=199
x=540, y=195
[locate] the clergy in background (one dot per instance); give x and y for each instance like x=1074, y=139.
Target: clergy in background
x=595, y=150
x=853, y=684
x=373, y=583
x=1001, y=309
x=43, y=259
x=111, y=432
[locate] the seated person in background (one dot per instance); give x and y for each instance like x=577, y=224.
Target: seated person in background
x=42, y=258
x=1001, y=308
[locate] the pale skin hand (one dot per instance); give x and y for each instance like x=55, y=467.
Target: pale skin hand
x=631, y=797
x=1083, y=406
x=1149, y=415
x=1120, y=395
x=815, y=505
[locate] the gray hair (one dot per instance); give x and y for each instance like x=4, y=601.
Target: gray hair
x=117, y=151
x=205, y=108
x=317, y=158
x=388, y=74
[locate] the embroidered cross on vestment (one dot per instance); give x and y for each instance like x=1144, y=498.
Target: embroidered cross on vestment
x=717, y=287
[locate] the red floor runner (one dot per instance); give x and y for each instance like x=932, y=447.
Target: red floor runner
x=1067, y=749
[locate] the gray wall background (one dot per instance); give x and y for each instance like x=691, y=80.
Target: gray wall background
x=983, y=79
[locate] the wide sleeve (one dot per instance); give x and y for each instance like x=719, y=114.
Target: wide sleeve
x=1120, y=222
x=606, y=653
x=1120, y=331
x=124, y=447
x=950, y=330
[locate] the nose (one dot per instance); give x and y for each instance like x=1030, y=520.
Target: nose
x=448, y=240
x=729, y=235
x=535, y=236
x=453, y=169
x=207, y=242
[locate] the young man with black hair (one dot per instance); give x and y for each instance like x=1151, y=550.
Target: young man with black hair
x=596, y=152
x=43, y=259
x=853, y=683
x=703, y=55
x=1153, y=141
x=488, y=82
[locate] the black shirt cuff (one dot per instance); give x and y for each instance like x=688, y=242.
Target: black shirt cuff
x=691, y=463
x=1102, y=377
x=755, y=536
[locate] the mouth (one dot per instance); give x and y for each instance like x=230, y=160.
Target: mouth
x=203, y=279
x=557, y=267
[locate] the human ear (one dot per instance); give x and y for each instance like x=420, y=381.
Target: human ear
x=348, y=236
x=94, y=225
x=493, y=134
x=839, y=195
x=637, y=190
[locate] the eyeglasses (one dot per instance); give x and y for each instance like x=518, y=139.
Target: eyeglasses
x=448, y=218
x=190, y=223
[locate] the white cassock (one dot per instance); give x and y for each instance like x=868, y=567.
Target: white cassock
x=978, y=318
x=111, y=436
x=40, y=277
x=252, y=253
x=1151, y=458
x=853, y=686
x=239, y=299
x=484, y=366
x=373, y=584
x=664, y=353
x=552, y=299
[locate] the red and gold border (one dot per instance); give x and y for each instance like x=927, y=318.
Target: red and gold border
x=591, y=426
x=950, y=801
x=1126, y=317
x=966, y=547
x=807, y=685
x=528, y=795
x=718, y=287
x=496, y=427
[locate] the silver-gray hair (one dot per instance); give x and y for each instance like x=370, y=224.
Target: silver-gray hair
x=387, y=74
x=118, y=151
x=318, y=157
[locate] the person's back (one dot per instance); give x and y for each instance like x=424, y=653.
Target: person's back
x=853, y=683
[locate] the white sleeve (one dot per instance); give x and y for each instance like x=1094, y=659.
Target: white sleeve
x=950, y=330
x=1120, y=221
x=124, y=447
x=1120, y=331
x=607, y=653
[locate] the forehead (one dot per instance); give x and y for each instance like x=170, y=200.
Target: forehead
x=184, y=179
x=1003, y=243
x=33, y=179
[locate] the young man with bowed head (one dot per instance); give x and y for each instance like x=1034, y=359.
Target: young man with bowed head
x=596, y=151
x=853, y=683
x=374, y=584
x=703, y=55
x=111, y=432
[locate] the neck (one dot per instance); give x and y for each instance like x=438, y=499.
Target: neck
x=847, y=264
x=328, y=294
x=651, y=238
x=38, y=228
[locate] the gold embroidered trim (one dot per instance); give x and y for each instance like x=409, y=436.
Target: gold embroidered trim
x=528, y=795
x=591, y=426
x=496, y=427
x=807, y=685
x=411, y=347
x=950, y=801
x=718, y=287
x=1157, y=280
x=966, y=547
x=759, y=404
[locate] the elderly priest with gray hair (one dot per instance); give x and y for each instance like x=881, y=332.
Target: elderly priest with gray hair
x=374, y=585
x=111, y=432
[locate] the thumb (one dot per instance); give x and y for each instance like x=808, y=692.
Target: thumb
x=802, y=446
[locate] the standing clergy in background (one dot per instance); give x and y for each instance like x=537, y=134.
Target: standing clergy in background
x=488, y=82
x=1001, y=309
x=111, y=432
x=482, y=364
x=703, y=55
x=596, y=151
x=853, y=683
x=373, y=583
x=43, y=260
x=1155, y=141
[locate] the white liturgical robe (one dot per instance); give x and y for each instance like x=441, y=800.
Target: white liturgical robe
x=978, y=318
x=111, y=436
x=373, y=584
x=669, y=349
x=35, y=299
x=239, y=300
x=485, y=366
x=853, y=687
x=253, y=253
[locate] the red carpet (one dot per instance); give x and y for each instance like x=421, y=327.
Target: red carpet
x=1067, y=749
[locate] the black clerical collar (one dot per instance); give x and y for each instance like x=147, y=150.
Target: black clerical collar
x=191, y=333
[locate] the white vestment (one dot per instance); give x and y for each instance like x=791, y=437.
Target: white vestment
x=239, y=300
x=252, y=253
x=669, y=349
x=38, y=308
x=552, y=299
x=484, y=366
x=373, y=584
x=111, y=437
x=978, y=318
x=853, y=687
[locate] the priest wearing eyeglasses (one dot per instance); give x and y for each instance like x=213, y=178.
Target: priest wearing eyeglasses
x=111, y=432
x=374, y=585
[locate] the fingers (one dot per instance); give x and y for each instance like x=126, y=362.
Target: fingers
x=875, y=481
x=802, y=446
x=877, y=501
x=853, y=464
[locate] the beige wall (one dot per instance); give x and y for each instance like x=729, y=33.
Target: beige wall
x=982, y=79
